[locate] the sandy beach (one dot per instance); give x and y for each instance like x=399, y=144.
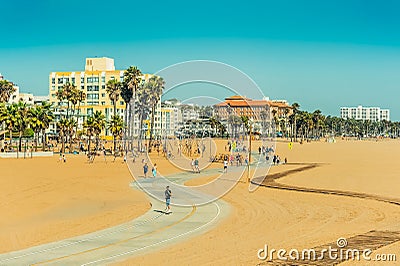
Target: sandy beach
x=44, y=200
x=289, y=219
x=81, y=198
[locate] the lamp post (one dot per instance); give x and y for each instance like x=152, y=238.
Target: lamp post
x=248, y=163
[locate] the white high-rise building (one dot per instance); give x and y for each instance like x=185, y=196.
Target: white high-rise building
x=365, y=113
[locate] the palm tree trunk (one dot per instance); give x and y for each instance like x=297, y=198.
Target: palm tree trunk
x=77, y=117
x=10, y=139
x=153, y=109
x=88, y=150
x=62, y=143
x=43, y=139
x=20, y=141
x=70, y=142
x=127, y=128
x=115, y=113
x=36, y=139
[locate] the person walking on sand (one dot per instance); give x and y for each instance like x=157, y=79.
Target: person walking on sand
x=196, y=166
x=168, y=195
x=154, y=170
x=64, y=158
x=225, y=165
x=192, y=165
x=145, y=169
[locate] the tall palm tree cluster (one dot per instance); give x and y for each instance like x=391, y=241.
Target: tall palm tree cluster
x=140, y=96
x=17, y=118
x=314, y=125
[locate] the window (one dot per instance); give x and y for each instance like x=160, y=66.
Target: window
x=103, y=87
x=103, y=103
x=121, y=102
x=90, y=111
x=53, y=88
x=95, y=79
x=121, y=78
x=82, y=80
x=53, y=80
x=60, y=80
x=93, y=88
x=103, y=79
x=89, y=79
x=92, y=96
x=103, y=95
x=73, y=80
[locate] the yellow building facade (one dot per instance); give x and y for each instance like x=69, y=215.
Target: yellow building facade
x=92, y=81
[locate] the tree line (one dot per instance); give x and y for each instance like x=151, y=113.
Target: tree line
x=140, y=96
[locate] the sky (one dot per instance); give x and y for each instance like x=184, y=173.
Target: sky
x=321, y=54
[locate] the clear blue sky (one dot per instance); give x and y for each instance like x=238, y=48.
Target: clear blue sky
x=322, y=54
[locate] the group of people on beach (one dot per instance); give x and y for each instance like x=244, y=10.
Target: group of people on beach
x=146, y=169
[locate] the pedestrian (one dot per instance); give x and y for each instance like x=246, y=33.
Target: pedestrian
x=145, y=169
x=259, y=150
x=154, y=170
x=225, y=165
x=192, y=165
x=196, y=166
x=105, y=154
x=274, y=159
x=168, y=195
x=64, y=158
x=278, y=159
x=125, y=158
x=61, y=158
x=285, y=160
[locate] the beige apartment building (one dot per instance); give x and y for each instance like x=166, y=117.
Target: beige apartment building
x=92, y=81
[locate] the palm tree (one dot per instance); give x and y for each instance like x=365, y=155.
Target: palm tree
x=296, y=108
x=94, y=125
x=36, y=122
x=6, y=90
x=99, y=123
x=9, y=118
x=132, y=79
x=22, y=121
x=80, y=96
x=156, y=86
x=114, y=90
x=70, y=130
x=46, y=117
x=62, y=126
x=3, y=115
x=116, y=126
x=143, y=106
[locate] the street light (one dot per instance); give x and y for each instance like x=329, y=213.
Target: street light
x=248, y=163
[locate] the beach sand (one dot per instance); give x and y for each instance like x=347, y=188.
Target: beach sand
x=289, y=219
x=44, y=200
